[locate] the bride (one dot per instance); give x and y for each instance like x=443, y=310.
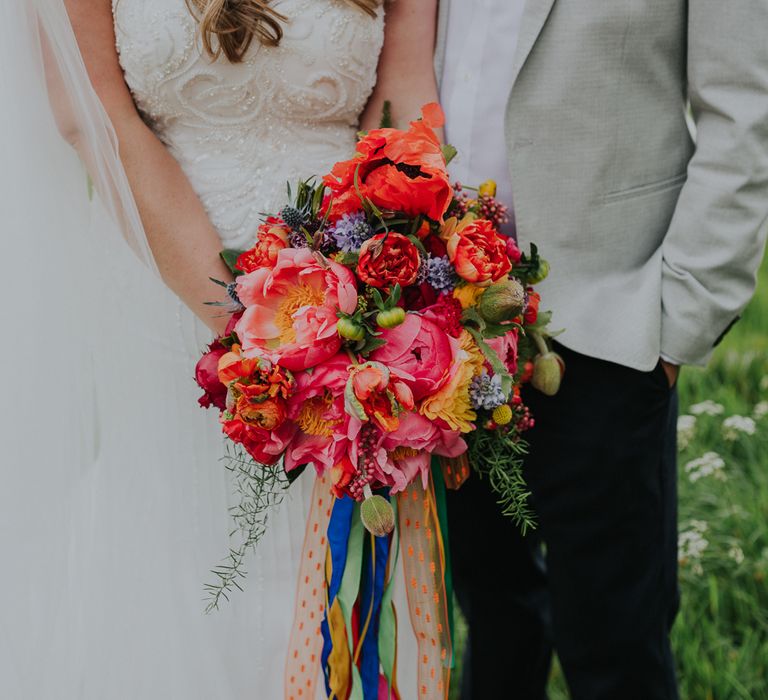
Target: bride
x=113, y=505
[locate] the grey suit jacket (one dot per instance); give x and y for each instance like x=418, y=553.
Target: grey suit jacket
x=654, y=241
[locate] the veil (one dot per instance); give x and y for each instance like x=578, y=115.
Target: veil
x=49, y=101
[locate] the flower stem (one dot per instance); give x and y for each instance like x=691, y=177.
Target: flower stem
x=540, y=342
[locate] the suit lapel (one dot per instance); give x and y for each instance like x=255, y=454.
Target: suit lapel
x=534, y=18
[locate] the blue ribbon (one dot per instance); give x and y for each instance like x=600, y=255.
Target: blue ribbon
x=372, y=591
x=338, y=541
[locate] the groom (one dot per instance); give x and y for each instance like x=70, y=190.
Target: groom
x=577, y=109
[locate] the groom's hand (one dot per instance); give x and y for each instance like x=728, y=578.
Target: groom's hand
x=672, y=372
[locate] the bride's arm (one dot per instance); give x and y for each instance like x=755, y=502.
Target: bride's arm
x=183, y=240
x=406, y=75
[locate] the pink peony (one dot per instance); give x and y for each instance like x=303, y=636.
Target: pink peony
x=317, y=408
x=290, y=315
x=506, y=348
x=407, y=451
x=207, y=377
x=265, y=446
x=418, y=351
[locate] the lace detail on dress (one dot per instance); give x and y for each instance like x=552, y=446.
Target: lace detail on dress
x=241, y=131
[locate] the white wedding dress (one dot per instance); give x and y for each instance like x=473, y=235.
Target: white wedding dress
x=113, y=505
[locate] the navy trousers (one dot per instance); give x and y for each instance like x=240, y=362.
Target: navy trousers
x=597, y=581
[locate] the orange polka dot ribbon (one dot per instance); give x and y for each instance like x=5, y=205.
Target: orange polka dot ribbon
x=306, y=643
x=455, y=471
x=424, y=566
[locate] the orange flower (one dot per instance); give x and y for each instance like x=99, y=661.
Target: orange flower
x=372, y=393
x=479, y=253
x=271, y=238
x=257, y=390
x=397, y=170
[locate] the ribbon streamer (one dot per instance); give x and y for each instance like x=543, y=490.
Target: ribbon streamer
x=336, y=657
x=424, y=567
x=306, y=643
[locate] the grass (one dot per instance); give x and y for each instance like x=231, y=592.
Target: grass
x=721, y=635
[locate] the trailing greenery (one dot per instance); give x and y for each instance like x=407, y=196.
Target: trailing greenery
x=259, y=489
x=497, y=455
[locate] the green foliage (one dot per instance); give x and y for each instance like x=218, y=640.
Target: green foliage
x=386, y=115
x=229, y=257
x=497, y=456
x=259, y=489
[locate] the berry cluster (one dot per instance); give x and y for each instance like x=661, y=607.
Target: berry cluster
x=369, y=437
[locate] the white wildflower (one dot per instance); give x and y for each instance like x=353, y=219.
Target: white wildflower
x=686, y=429
x=761, y=410
x=691, y=545
x=709, y=464
x=736, y=553
x=708, y=407
x=733, y=426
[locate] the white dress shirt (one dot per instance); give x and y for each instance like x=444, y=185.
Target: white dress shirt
x=475, y=83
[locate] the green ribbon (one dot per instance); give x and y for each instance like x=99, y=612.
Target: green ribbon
x=441, y=504
x=349, y=591
x=387, y=620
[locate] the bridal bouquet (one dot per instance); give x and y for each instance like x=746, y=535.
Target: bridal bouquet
x=380, y=329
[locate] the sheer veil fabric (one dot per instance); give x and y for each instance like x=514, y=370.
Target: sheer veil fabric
x=113, y=506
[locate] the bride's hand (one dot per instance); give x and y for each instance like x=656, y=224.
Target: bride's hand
x=406, y=75
x=184, y=243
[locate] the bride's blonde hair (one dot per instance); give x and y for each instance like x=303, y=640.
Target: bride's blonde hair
x=235, y=24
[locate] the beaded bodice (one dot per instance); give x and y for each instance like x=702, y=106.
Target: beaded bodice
x=241, y=131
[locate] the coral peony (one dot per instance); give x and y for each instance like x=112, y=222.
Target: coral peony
x=479, y=253
x=290, y=309
x=271, y=238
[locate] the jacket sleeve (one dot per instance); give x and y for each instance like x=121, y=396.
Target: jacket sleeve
x=716, y=238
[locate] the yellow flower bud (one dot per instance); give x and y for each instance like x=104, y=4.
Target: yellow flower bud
x=502, y=415
x=487, y=188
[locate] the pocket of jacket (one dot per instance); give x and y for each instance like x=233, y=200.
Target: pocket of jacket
x=667, y=183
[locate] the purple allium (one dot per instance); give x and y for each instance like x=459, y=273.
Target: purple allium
x=351, y=231
x=441, y=274
x=486, y=392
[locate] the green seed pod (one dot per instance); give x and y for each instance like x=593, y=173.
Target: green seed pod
x=502, y=301
x=350, y=330
x=377, y=515
x=390, y=318
x=548, y=370
x=540, y=273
